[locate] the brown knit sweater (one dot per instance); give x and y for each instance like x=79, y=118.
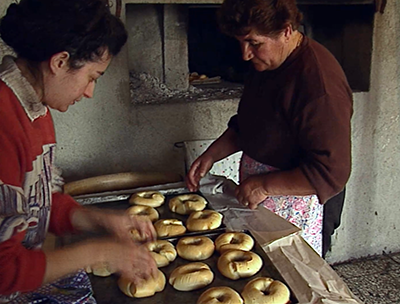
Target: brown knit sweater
x=299, y=116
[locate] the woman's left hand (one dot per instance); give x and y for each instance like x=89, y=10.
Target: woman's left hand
x=115, y=222
x=252, y=191
x=121, y=225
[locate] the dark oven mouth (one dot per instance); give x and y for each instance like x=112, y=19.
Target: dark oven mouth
x=210, y=64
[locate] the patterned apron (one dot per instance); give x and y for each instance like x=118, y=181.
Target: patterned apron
x=72, y=289
x=305, y=212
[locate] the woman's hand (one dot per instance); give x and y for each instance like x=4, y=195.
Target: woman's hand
x=115, y=222
x=126, y=257
x=121, y=225
x=198, y=170
x=222, y=147
x=252, y=191
x=132, y=261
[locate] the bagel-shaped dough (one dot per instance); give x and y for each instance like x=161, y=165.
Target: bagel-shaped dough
x=100, y=269
x=147, y=198
x=204, y=220
x=195, y=248
x=144, y=212
x=187, y=203
x=236, y=264
x=191, y=276
x=265, y=291
x=234, y=240
x=220, y=295
x=169, y=227
x=137, y=237
x=146, y=288
x=163, y=252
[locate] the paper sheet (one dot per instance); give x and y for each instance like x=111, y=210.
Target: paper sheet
x=311, y=279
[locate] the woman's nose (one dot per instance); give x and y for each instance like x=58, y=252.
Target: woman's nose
x=247, y=54
x=89, y=90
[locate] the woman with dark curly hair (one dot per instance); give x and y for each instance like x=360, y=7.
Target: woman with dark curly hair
x=293, y=121
x=62, y=47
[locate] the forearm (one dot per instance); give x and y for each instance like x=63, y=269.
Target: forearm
x=224, y=146
x=292, y=182
x=68, y=260
x=85, y=219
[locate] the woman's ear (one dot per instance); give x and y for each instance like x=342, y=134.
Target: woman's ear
x=288, y=32
x=59, y=62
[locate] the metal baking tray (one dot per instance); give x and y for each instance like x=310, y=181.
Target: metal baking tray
x=122, y=203
x=106, y=289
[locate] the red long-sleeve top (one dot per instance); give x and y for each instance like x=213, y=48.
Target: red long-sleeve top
x=29, y=202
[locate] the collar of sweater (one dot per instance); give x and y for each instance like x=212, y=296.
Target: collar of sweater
x=11, y=75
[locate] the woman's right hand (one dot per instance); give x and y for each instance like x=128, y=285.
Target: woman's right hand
x=131, y=260
x=198, y=170
x=125, y=257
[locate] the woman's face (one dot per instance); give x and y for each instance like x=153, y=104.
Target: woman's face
x=64, y=86
x=266, y=53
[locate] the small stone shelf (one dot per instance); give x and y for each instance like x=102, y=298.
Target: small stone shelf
x=145, y=89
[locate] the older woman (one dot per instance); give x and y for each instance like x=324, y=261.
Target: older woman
x=63, y=47
x=293, y=121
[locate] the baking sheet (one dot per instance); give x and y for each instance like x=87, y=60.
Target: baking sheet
x=311, y=279
x=121, y=202
x=106, y=289
x=121, y=195
x=163, y=211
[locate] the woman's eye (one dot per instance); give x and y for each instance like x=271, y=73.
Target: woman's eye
x=255, y=44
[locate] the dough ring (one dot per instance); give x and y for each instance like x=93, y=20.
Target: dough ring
x=187, y=203
x=169, y=227
x=195, y=248
x=204, y=220
x=234, y=240
x=162, y=251
x=146, y=288
x=147, y=198
x=99, y=269
x=191, y=276
x=236, y=264
x=144, y=212
x=220, y=295
x=265, y=290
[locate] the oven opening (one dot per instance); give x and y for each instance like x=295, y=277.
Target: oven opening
x=177, y=54
x=211, y=53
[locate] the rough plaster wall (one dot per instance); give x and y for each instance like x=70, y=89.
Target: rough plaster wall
x=100, y=137
x=370, y=223
x=176, y=57
x=145, y=48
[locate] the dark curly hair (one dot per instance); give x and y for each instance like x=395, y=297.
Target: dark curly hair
x=38, y=29
x=267, y=17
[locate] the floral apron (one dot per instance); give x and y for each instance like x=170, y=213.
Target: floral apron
x=305, y=212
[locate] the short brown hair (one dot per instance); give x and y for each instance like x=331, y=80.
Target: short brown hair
x=267, y=17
